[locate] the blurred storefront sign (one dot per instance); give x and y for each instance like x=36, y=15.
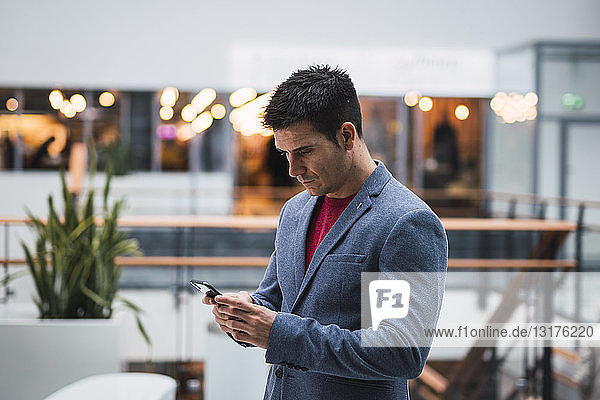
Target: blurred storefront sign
x=377, y=71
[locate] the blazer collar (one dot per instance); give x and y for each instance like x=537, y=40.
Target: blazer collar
x=357, y=207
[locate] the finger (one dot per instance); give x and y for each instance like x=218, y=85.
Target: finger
x=235, y=303
x=242, y=337
x=224, y=316
x=208, y=300
x=225, y=311
x=223, y=320
x=237, y=326
x=225, y=328
x=235, y=314
x=232, y=324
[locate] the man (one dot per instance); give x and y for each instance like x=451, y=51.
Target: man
x=354, y=217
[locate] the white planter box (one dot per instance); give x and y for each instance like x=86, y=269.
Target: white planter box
x=38, y=357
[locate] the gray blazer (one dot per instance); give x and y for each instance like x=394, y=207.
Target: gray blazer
x=315, y=342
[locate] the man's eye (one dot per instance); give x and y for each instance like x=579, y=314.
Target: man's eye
x=304, y=152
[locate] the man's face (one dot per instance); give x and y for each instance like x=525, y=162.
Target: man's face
x=318, y=164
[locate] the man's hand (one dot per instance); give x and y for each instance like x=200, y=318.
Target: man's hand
x=247, y=322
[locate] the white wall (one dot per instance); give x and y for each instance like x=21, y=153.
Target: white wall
x=150, y=44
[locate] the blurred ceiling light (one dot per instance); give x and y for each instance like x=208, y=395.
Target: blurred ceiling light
x=411, y=99
x=218, y=111
x=166, y=113
x=242, y=96
x=68, y=109
x=202, y=122
x=169, y=96
x=56, y=99
x=531, y=99
x=234, y=116
x=247, y=119
x=188, y=113
x=515, y=107
x=509, y=119
x=106, y=99
x=78, y=102
x=203, y=99
x=461, y=112
x=12, y=104
x=497, y=104
x=185, y=132
x=426, y=103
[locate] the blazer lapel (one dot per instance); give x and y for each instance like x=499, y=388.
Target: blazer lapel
x=357, y=207
x=300, y=239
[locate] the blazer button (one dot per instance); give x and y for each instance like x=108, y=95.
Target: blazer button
x=279, y=373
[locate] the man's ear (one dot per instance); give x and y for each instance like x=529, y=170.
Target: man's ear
x=349, y=135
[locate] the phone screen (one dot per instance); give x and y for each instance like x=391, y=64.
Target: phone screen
x=205, y=287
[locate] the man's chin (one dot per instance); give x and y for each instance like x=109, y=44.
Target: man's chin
x=313, y=191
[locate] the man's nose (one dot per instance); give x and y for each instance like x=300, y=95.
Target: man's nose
x=296, y=166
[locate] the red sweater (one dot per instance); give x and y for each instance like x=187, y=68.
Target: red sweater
x=327, y=211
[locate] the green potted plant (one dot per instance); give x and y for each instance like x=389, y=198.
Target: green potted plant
x=72, y=265
x=73, y=260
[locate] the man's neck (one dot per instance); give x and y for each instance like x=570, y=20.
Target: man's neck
x=357, y=176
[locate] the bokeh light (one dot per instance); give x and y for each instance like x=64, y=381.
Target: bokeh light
x=169, y=96
x=202, y=122
x=78, y=102
x=242, y=96
x=411, y=99
x=248, y=119
x=166, y=113
x=531, y=99
x=106, y=99
x=218, y=111
x=188, y=113
x=461, y=112
x=426, y=103
x=12, y=104
x=515, y=107
x=68, y=109
x=203, y=99
x=56, y=99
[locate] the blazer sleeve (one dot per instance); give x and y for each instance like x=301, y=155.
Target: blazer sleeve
x=268, y=293
x=416, y=243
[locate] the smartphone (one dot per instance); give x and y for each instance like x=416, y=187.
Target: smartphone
x=210, y=291
x=206, y=288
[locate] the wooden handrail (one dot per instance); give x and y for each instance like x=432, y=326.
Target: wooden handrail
x=270, y=223
x=262, y=262
x=433, y=379
x=507, y=224
x=565, y=380
x=516, y=263
x=199, y=261
x=568, y=355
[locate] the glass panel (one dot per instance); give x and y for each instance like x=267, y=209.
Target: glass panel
x=549, y=164
x=510, y=149
x=570, y=74
x=583, y=145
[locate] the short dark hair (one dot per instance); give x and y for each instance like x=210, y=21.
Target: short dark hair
x=320, y=95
